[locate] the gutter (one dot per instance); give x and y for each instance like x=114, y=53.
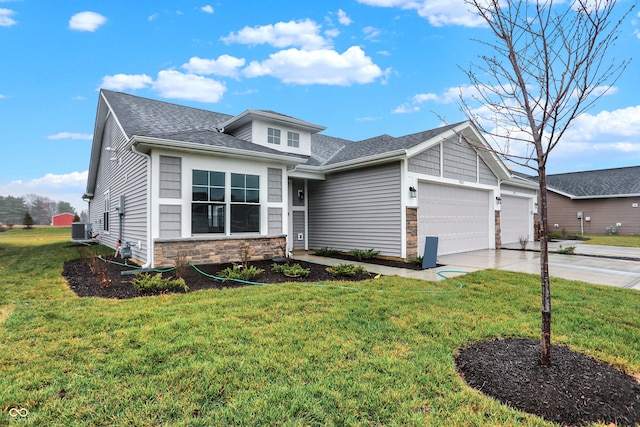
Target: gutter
x=149, y=197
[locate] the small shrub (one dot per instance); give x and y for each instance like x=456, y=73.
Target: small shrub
x=291, y=270
x=361, y=254
x=569, y=250
x=326, y=251
x=417, y=260
x=346, y=270
x=147, y=284
x=238, y=272
x=524, y=240
x=182, y=264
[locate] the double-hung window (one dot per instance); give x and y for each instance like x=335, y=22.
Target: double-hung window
x=217, y=196
x=293, y=139
x=273, y=136
x=208, y=202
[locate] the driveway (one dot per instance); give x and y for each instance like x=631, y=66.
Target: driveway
x=592, y=263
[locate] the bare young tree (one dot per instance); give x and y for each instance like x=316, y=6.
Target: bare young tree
x=546, y=64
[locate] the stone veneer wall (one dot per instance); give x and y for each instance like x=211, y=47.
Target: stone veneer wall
x=498, y=231
x=216, y=251
x=412, y=233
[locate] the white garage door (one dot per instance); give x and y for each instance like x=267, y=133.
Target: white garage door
x=514, y=219
x=458, y=216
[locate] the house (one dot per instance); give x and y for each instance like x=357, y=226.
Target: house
x=62, y=220
x=601, y=201
x=173, y=181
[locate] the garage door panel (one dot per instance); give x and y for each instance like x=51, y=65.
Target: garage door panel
x=514, y=219
x=458, y=216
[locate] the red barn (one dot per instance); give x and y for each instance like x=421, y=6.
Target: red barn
x=62, y=220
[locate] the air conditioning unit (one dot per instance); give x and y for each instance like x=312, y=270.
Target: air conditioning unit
x=81, y=232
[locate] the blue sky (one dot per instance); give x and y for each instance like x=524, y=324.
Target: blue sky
x=361, y=68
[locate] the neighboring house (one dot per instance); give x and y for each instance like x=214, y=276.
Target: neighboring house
x=177, y=181
x=595, y=202
x=62, y=220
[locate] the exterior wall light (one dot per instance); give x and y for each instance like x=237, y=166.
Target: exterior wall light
x=498, y=200
x=413, y=192
x=300, y=195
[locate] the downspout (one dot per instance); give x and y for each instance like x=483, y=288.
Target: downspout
x=149, y=231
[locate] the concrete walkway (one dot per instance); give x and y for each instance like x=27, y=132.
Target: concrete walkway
x=594, y=268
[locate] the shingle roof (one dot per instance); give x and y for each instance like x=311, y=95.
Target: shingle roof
x=597, y=183
x=146, y=117
x=352, y=150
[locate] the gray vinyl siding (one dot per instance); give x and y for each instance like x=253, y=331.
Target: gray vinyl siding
x=485, y=175
x=170, y=221
x=275, y=221
x=244, y=132
x=357, y=209
x=459, y=161
x=427, y=162
x=296, y=186
x=274, y=185
x=125, y=175
x=298, y=227
x=170, y=177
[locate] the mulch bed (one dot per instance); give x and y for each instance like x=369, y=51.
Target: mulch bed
x=85, y=283
x=574, y=390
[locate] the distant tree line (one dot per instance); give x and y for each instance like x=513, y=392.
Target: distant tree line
x=40, y=209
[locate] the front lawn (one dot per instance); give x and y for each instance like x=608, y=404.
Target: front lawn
x=378, y=352
x=627, y=241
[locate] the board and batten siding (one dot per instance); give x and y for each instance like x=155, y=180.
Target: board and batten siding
x=357, y=209
x=455, y=160
x=121, y=172
x=603, y=214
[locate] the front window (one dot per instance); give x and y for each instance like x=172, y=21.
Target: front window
x=245, y=203
x=208, y=197
x=293, y=139
x=273, y=136
x=213, y=201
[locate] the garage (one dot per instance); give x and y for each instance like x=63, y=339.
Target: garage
x=513, y=219
x=461, y=217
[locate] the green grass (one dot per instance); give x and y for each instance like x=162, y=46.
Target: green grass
x=627, y=241
x=378, y=352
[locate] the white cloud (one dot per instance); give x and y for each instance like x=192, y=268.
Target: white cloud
x=6, y=19
x=176, y=85
x=207, y=9
x=371, y=33
x=86, y=21
x=304, y=34
x=65, y=187
x=153, y=17
x=71, y=135
x=126, y=81
x=343, y=18
x=438, y=12
x=225, y=65
x=2, y=96
x=322, y=66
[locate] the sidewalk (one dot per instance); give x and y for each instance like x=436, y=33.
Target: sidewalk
x=595, y=268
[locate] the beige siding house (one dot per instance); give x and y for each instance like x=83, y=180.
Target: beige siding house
x=605, y=201
x=173, y=181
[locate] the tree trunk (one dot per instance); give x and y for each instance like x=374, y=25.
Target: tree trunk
x=545, y=338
